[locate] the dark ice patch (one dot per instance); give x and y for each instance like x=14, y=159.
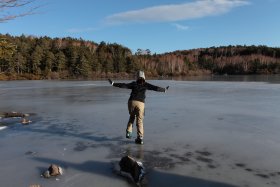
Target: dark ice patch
x=264, y=176
x=204, y=159
x=241, y=165
x=204, y=153
x=80, y=146
x=211, y=166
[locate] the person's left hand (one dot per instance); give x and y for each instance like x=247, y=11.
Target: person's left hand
x=110, y=81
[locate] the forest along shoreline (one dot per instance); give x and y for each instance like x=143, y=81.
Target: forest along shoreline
x=43, y=58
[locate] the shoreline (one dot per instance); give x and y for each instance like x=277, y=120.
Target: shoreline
x=100, y=76
x=129, y=76
x=275, y=78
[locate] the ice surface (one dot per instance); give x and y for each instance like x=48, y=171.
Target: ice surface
x=216, y=133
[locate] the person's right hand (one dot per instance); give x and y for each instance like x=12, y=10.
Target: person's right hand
x=110, y=81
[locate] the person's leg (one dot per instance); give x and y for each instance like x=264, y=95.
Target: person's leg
x=140, y=107
x=131, y=119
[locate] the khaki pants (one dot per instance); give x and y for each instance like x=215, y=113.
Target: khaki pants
x=136, y=109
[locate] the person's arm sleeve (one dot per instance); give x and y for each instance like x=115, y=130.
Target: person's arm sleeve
x=155, y=88
x=123, y=85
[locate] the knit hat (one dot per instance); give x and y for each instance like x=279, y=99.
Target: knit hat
x=140, y=74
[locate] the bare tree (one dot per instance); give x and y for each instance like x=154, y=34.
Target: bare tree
x=9, y=10
x=21, y=7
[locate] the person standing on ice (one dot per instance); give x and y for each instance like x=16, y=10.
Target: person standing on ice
x=136, y=103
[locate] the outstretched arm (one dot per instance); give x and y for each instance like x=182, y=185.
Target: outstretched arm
x=156, y=88
x=120, y=85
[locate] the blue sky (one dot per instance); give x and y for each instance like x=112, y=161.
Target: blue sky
x=158, y=25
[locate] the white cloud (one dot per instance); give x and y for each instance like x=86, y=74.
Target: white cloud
x=181, y=27
x=81, y=30
x=176, y=12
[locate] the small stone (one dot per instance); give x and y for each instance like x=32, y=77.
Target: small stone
x=52, y=171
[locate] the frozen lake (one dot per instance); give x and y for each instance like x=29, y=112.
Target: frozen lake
x=218, y=132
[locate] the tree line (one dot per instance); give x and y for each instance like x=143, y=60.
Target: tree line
x=231, y=60
x=29, y=57
x=62, y=58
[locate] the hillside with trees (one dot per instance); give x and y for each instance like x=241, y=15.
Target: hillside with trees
x=61, y=58
x=216, y=60
x=29, y=57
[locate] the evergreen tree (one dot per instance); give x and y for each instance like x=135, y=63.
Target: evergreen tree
x=49, y=63
x=96, y=66
x=72, y=54
x=60, y=62
x=83, y=67
x=36, y=60
x=19, y=63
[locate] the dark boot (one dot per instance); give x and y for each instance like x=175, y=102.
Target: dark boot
x=139, y=140
x=128, y=135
